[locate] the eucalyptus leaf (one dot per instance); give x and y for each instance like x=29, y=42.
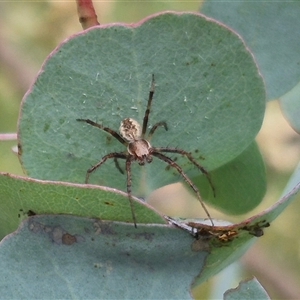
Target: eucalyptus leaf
x=254, y=226
x=122, y=248
x=22, y=196
x=270, y=29
x=208, y=90
x=241, y=183
x=248, y=289
x=89, y=259
x=290, y=105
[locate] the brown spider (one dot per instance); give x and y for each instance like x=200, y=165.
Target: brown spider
x=139, y=149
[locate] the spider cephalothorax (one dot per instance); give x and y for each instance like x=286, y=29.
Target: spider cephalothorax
x=139, y=149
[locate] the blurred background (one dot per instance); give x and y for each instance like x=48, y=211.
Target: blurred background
x=29, y=31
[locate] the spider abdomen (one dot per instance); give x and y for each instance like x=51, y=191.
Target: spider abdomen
x=130, y=129
x=140, y=150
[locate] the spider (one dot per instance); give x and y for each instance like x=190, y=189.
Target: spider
x=135, y=139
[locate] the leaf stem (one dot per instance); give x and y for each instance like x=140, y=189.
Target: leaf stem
x=86, y=13
x=8, y=136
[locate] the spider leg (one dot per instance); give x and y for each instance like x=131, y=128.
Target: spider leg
x=129, y=181
x=155, y=126
x=114, y=155
x=110, y=131
x=185, y=177
x=147, y=112
x=192, y=160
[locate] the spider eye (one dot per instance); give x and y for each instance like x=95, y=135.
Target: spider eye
x=130, y=129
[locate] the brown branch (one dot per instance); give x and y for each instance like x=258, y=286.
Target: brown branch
x=86, y=13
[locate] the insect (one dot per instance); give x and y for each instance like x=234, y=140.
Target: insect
x=257, y=229
x=205, y=232
x=135, y=138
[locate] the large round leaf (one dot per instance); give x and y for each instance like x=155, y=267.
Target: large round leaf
x=208, y=90
x=270, y=29
x=109, y=260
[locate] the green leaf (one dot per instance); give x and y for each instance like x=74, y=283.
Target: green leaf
x=249, y=289
x=20, y=195
x=253, y=226
x=241, y=183
x=289, y=195
x=89, y=259
x=208, y=90
x=290, y=105
x=270, y=29
x=293, y=183
x=113, y=254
